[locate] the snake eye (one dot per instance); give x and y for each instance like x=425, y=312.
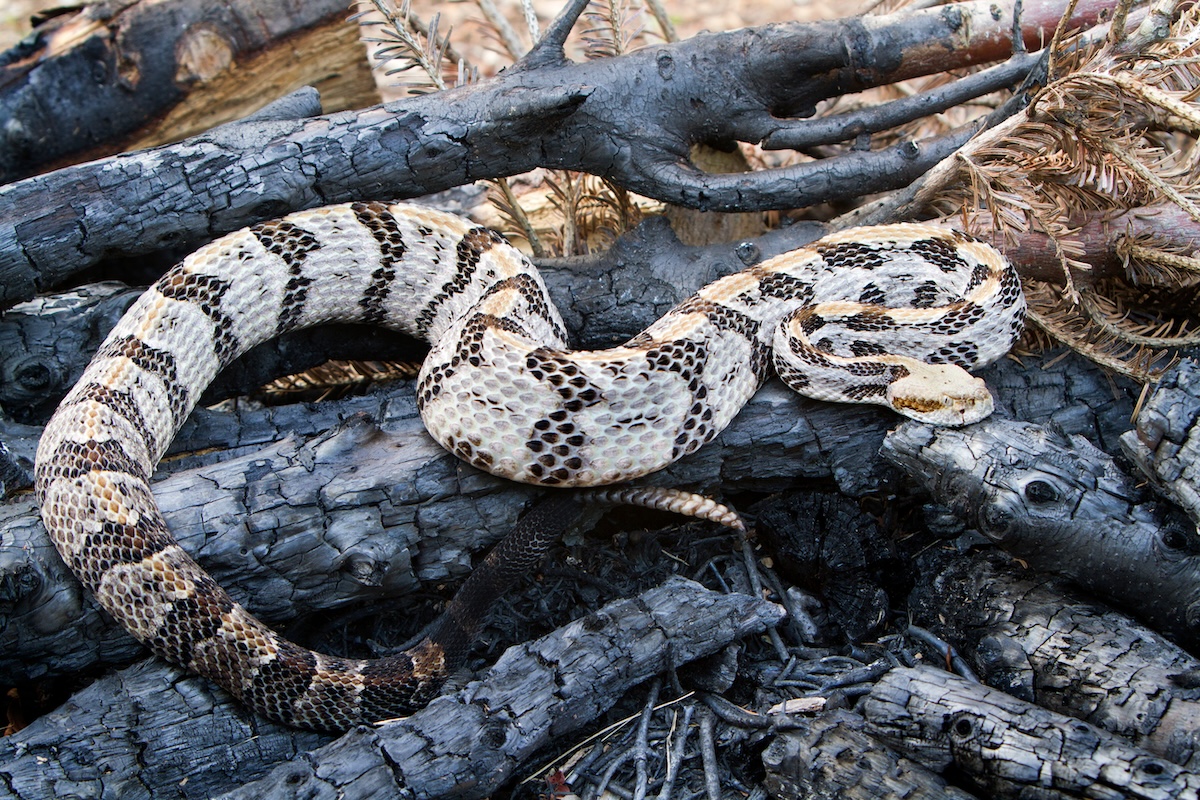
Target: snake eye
x=1040, y=492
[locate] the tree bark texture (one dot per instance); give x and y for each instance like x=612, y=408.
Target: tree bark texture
x=1027, y=635
x=1011, y=748
x=132, y=74
x=631, y=119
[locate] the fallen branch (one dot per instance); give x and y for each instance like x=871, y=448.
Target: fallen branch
x=832, y=755
x=150, y=730
x=384, y=508
x=631, y=119
x=1064, y=506
x=1011, y=748
x=1027, y=636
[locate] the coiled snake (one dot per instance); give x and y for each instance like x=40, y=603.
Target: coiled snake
x=853, y=317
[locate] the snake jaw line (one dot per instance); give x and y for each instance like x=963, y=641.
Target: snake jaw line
x=941, y=394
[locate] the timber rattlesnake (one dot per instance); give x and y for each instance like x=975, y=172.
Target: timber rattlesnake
x=841, y=319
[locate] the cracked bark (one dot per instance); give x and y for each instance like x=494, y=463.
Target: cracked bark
x=1011, y=748
x=1027, y=634
x=465, y=743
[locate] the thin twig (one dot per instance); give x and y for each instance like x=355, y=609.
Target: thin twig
x=708, y=754
x=601, y=788
x=506, y=33
x=642, y=746
x=514, y=209
x=659, y=12
x=675, y=752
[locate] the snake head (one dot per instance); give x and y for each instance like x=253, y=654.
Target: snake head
x=940, y=394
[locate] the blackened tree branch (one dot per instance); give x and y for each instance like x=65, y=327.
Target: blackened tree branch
x=631, y=119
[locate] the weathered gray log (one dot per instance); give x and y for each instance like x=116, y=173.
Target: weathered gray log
x=1011, y=748
x=832, y=757
x=127, y=74
x=357, y=514
x=1165, y=441
x=632, y=119
x=151, y=731
x=1024, y=634
x=386, y=509
x=1064, y=506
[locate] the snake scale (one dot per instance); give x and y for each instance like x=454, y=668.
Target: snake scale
x=852, y=317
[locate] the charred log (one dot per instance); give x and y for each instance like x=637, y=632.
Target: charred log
x=543, y=112
x=46, y=343
x=1011, y=748
x=386, y=509
x=1064, y=506
x=129, y=75
x=1026, y=635
x=833, y=756
x=464, y=743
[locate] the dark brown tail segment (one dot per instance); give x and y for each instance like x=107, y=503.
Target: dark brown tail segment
x=513, y=557
x=404, y=683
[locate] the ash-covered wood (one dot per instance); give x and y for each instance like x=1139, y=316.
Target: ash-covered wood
x=1010, y=748
x=1026, y=634
x=1062, y=505
x=133, y=74
x=833, y=756
x=1165, y=442
x=153, y=731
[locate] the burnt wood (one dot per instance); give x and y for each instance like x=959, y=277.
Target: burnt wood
x=132, y=74
x=153, y=731
x=632, y=119
x=1010, y=748
x=1027, y=634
